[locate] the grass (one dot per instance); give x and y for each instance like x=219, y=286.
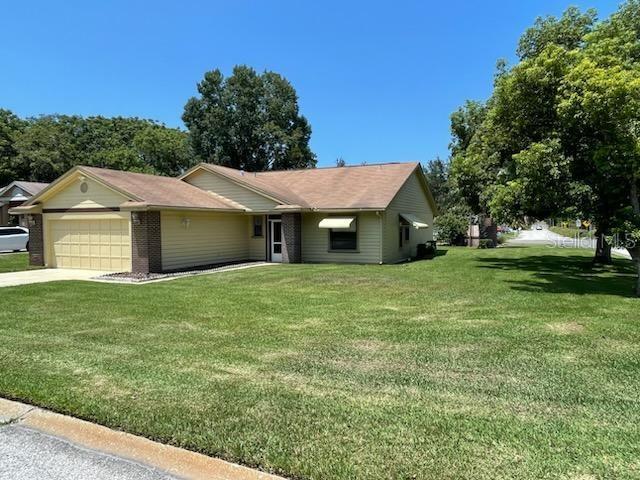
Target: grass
x=14, y=262
x=479, y=364
x=572, y=232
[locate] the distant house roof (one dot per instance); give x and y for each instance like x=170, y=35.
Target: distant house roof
x=350, y=187
x=29, y=187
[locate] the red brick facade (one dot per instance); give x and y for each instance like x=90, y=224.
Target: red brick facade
x=291, y=238
x=146, y=249
x=36, y=240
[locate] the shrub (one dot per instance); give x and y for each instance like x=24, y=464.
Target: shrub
x=452, y=228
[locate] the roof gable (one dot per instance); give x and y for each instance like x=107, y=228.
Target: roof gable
x=140, y=190
x=239, y=194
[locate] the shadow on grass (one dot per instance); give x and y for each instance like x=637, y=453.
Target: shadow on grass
x=567, y=274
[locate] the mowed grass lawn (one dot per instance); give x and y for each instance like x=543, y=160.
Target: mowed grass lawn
x=14, y=262
x=479, y=364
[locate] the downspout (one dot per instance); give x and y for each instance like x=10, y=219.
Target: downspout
x=380, y=215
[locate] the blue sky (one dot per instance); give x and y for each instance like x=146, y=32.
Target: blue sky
x=377, y=80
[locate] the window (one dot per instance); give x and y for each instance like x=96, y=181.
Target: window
x=405, y=232
x=344, y=238
x=12, y=231
x=257, y=226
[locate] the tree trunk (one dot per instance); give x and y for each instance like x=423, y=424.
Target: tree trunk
x=635, y=251
x=635, y=256
x=637, y=260
x=603, y=250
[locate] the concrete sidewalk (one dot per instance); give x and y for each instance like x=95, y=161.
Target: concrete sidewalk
x=38, y=444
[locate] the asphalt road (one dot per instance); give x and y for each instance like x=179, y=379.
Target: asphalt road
x=26, y=454
x=544, y=236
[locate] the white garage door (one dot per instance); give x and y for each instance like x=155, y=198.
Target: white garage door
x=91, y=244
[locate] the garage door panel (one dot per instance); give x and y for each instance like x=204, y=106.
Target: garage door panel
x=91, y=244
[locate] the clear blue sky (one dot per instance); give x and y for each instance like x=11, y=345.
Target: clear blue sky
x=377, y=80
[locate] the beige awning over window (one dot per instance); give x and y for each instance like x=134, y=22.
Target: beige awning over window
x=336, y=222
x=414, y=221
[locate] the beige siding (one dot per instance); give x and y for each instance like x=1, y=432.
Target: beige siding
x=97, y=196
x=257, y=245
x=410, y=199
x=208, y=238
x=217, y=184
x=315, y=240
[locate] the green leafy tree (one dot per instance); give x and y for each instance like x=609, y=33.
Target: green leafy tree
x=453, y=220
x=567, y=31
x=464, y=123
x=248, y=121
x=562, y=128
x=47, y=146
x=452, y=226
x=165, y=150
x=11, y=126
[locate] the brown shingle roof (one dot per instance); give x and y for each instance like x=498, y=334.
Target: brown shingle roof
x=154, y=190
x=365, y=186
x=29, y=187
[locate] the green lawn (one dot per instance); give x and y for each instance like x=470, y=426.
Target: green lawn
x=479, y=364
x=14, y=262
x=572, y=232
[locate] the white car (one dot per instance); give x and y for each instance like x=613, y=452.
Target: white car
x=14, y=238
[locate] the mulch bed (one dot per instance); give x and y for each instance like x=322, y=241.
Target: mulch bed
x=183, y=272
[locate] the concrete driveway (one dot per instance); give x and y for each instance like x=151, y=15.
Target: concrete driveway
x=11, y=279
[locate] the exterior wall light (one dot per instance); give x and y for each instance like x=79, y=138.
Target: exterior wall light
x=186, y=222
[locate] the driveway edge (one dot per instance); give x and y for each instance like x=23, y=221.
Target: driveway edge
x=172, y=460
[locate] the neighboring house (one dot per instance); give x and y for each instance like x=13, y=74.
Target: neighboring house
x=121, y=221
x=13, y=195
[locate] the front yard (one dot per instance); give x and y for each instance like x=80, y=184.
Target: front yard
x=14, y=262
x=480, y=364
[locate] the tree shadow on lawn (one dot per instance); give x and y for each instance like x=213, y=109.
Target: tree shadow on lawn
x=567, y=274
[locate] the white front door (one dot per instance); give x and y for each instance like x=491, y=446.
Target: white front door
x=276, y=240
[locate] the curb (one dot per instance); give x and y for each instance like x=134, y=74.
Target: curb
x=172, y=460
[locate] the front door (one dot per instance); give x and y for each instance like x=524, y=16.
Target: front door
x=276, y=240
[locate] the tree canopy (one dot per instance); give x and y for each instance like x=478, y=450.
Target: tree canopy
x=248, y=121
x=43, y=148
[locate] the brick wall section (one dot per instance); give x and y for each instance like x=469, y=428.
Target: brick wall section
x=291, y=238
x=36, y=240
x=4, y=214
x=146, y=250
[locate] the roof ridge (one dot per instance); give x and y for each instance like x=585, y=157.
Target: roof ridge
x=412, y=162
x=127, y=172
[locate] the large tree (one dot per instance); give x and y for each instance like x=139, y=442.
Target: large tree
x=249, y=121
x=562, y=128
x=11, y=126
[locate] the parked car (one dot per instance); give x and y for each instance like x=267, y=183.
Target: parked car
x=14, y=238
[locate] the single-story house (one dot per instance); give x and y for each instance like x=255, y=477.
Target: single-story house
x=94, y=218
x=14, y=195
